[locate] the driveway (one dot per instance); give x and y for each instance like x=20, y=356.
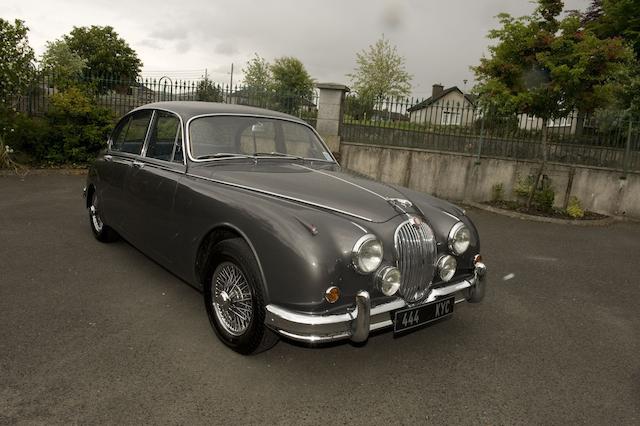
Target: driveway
x=98, y=333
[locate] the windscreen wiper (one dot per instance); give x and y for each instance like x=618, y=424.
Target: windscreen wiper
x=222, y=155
x=278, y=154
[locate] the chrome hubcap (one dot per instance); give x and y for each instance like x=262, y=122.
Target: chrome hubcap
x=95, y=217
x=231, y=298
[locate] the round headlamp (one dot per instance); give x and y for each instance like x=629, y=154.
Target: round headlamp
x=459, y=238
x=447, y=267
x=388, y=280
x=367, y=254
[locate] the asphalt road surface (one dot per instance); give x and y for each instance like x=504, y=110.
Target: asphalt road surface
x=97, y=333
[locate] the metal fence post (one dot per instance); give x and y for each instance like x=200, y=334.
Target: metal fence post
x=481, y=139
x=627, y=148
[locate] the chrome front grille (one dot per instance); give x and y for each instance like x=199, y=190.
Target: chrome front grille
x=416, y=251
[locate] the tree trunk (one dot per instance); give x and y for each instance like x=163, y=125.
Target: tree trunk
x=542, y=165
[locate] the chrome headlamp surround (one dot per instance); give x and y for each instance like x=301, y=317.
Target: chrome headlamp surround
x=367, y=245
x=459, y=238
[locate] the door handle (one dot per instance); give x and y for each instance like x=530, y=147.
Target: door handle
x=108, y=157
x=137, y=164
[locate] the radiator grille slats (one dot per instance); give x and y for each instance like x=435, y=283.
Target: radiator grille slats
x=416, y=256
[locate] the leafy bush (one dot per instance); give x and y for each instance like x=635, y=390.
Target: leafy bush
x=73, y=130
x=497, y=192
x=28, y=135
x=574, y=208
x=543, y=196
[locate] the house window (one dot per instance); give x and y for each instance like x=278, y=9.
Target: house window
x=450, y=118
x=560, y=122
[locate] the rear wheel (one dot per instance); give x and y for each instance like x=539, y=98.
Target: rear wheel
x=101, y=231
x=234, y=300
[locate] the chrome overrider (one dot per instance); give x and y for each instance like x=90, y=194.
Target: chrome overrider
x=359, y=321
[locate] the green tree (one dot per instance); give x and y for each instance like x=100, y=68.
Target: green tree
x=207, y=91
x=16, y=57
x=548, y=67
x=106, y=53
x=292, y=84
x=257, y=74
x=380, y=72
x=616, y=18
x=63, y=65
x=613, y=19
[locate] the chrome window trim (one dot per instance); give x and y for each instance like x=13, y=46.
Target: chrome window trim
x=282, y=196
x=231, y=114
x=145, y=145
x=182, y=130
x=146, y=135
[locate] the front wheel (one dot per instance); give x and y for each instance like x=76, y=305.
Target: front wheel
x=234, y=300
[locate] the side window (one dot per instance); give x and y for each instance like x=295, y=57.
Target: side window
x=163, y=136
x=117, y=137
x=131, y=140
x=177, y=153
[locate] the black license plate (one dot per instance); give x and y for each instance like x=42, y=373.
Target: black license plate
x=407, y=319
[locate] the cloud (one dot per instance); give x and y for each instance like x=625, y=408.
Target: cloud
x=439, y=40
x=226, y=48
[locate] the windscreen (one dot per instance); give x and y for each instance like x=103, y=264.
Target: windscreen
x=218, y=135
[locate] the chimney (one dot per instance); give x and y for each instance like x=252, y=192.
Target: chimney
x=437, y=90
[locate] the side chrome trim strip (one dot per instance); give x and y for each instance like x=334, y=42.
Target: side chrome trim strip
x=341, y=180
x=282, y=196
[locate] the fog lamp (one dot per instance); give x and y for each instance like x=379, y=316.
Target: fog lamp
x=388, y=280
x=447, y=267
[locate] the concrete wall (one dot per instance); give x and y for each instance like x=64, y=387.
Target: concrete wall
x=458, y=177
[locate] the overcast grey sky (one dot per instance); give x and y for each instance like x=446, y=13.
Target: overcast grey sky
x=439, y=39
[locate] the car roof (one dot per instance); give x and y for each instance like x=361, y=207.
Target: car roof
x=189, y=109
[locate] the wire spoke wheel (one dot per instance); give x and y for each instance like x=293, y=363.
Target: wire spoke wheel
x=95, y=214
x=232, y=298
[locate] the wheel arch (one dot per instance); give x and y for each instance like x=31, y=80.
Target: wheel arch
x=218, y=233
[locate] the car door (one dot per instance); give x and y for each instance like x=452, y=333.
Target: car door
x=112, y=173
x=151, y=187
x=125, y=153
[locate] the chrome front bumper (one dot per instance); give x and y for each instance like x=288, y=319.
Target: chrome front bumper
x=357, y=323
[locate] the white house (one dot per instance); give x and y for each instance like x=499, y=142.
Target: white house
x=445, y=106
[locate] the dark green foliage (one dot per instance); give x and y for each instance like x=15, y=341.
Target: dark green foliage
x=16, y=57
x=105, y=52
x=292, y=84
x=359, y=107
x=208, y=92
x=543, y=195
x=73, y=131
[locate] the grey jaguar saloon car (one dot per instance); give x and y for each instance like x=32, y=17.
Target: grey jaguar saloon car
x=251, y=207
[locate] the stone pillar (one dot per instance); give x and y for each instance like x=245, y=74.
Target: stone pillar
x=330, y=106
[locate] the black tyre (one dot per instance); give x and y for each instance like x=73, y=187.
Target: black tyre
x=234, y=300
x=101, y=231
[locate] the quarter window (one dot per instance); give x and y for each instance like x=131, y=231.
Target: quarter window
x=131, y=140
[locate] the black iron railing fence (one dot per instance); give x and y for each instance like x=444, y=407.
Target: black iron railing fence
x=609, y=139
x=122, y=95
